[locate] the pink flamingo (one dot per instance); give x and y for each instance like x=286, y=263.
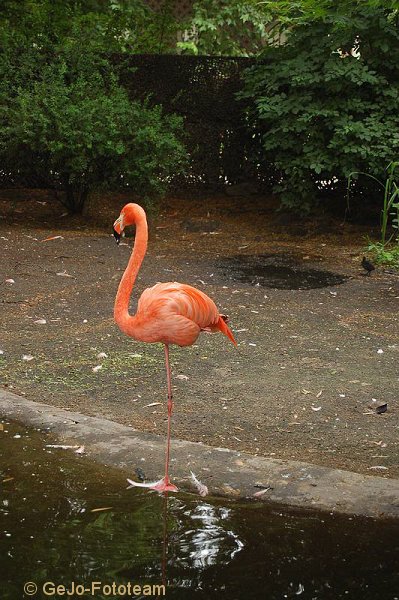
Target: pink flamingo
x=170, y=313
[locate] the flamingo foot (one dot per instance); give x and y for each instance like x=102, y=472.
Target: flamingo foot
x=162, y=485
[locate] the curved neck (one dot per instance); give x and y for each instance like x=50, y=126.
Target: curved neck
x=121, y=307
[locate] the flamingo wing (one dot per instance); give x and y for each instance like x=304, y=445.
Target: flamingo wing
x=176, y=313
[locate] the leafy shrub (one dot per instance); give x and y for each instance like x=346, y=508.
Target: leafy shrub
x=327, y=100
x=384, y=254
x=66, y=117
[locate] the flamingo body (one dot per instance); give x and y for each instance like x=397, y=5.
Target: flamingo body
x=170, y=313
x=174, y=313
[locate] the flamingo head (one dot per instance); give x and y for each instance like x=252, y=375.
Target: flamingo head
x=129, y=215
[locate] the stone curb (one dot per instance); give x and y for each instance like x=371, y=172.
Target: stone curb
x=226, y=472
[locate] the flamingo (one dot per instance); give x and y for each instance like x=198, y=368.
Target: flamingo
x=170, y=313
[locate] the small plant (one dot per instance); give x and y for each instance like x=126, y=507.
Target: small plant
x=383, y=251
x=383, y=255
x=391, y=200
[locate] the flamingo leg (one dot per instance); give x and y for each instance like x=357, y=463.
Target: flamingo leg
x=167, y=485
x=164, y=484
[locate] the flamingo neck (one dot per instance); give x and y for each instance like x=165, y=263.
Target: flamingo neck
x=121, y=307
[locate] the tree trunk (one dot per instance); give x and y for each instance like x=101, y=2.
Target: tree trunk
x=75, y=198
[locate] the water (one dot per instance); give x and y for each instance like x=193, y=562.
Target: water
x=196, y=547
x=278, y=271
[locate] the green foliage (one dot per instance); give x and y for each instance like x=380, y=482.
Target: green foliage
x=66, y=118
x=213, y=27
x=289, y=13
x=384, y=254
x=235, y=28
x=326, y=101
x=107, y=25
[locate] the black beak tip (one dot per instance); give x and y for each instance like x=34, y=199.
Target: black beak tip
x=117, y=236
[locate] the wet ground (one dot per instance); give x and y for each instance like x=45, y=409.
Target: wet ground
x=64, y=519
x=279, y=272
x=317, y=339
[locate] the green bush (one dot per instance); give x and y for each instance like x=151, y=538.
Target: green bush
x=327, y=100
x=65, y=118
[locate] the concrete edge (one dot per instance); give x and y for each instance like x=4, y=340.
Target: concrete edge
x=226, y=472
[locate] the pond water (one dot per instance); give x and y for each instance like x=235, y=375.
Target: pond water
x=54, y=533
x=278, y=271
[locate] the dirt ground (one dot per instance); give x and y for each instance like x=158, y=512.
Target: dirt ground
x=312, y=365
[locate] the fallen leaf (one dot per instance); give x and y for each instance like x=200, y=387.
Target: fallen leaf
x=27, y=357
x=102, y=355
x=53, y=237
x=97, y=368
x=80, y=450
x=379, y=468
x=183, y=377
x=40, y=321
x=380, y=456
x=64, y=274
x=10, y=281
x=262, y=492
x=62, y=446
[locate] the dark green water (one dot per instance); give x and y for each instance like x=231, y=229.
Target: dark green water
x=213, y=548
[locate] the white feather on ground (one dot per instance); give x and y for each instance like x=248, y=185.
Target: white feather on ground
x=201, y=487
x=143, y=485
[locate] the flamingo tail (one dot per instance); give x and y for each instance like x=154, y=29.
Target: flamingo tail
x=223, y=327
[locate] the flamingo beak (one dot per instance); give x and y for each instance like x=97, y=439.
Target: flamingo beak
x=118, y=229
x=117, y=236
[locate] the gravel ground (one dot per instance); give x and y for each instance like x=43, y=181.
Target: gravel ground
x=317, y=339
